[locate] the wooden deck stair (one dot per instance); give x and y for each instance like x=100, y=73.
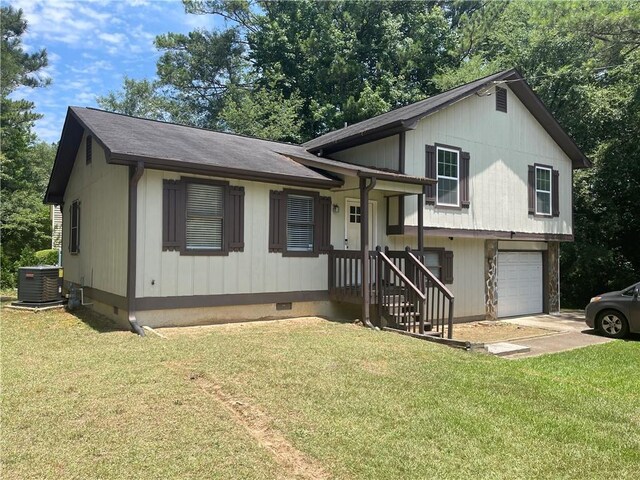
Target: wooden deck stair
x=403, y=292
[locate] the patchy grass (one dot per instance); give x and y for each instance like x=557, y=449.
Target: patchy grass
x=495, y=331
x=305, y=399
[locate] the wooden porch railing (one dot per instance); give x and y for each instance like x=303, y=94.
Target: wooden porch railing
x=405, y=291
x=399, y=300
x=345, y=275
x=439, y=299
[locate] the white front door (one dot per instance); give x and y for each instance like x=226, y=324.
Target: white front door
x=519, y=283
x=352, y=224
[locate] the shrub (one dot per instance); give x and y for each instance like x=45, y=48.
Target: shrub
x=47, y=257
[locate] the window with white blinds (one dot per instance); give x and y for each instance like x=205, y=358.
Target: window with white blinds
x=432, y=262
x=300, y=223
x=204, y=216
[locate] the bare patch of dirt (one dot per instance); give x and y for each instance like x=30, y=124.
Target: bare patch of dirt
x=281, y=323
x=294, y=463
x=495, y=331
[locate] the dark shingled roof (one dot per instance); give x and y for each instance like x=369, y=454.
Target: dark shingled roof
x=128, y=140
x=125, y=136
x=404, y=118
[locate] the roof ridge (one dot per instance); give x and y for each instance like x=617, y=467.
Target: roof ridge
x=163, y=122
x=431, y=97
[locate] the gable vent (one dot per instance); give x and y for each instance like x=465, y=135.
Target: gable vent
x=89, y=148
x=501, y=99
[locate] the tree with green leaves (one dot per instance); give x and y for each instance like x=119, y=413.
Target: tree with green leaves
x=146, y=99
x=295, y=70
x=325, y=63
x=583, y=60
x=25, y=164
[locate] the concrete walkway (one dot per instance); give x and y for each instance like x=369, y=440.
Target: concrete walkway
x=570, y=332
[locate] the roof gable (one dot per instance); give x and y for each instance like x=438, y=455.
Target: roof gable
x=405, y=118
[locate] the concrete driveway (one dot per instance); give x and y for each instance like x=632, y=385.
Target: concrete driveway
x=569, y=329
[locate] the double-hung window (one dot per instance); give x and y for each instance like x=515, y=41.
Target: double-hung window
x=204, y=217
x=448, y=177
x=439, y=262
x=300, y=223
x=433, y=261
x=543, y=191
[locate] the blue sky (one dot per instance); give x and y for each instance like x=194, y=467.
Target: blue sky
x=92, y=45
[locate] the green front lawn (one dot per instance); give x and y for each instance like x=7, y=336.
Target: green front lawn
x=306, y=398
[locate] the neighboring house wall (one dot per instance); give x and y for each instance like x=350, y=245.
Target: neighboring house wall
x=102, y=190
x=501, y=147
x=56, y=227
x=255, y=270
x=381, y=153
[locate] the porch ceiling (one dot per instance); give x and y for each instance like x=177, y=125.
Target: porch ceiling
x=398, y=188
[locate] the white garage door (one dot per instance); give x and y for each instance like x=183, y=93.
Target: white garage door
x=519, y=283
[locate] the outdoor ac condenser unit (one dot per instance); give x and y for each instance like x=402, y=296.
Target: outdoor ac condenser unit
x=38, y=284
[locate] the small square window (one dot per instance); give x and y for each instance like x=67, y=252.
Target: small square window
x=354, y=214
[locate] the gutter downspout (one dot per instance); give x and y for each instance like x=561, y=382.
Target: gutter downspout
x=135, y=175
x=364, y=247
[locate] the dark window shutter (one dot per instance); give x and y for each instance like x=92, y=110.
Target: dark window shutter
x=447, y=267
x=234, y=219
x=74, y=231
x=323, y=224
x=532, y=189
x=277, y=220
x=464, y=179
x=501, y=99
x=172, y=214
x=430, y=190
x=70, y=229
x=89, y=150
x=555, y=194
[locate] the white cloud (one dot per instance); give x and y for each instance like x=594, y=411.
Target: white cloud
x=99, y=66
x=91, y=44
x=114, y=38
x=49, y=128
x=85, y=98
x=53, y=57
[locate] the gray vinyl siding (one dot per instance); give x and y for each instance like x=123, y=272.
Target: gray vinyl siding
x=468, y=269
x=382, y=153
x=502, y=146
x=255, y=270
x=102, y=190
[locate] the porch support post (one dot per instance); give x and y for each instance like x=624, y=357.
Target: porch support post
x=364, y=248
x=421, y=224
